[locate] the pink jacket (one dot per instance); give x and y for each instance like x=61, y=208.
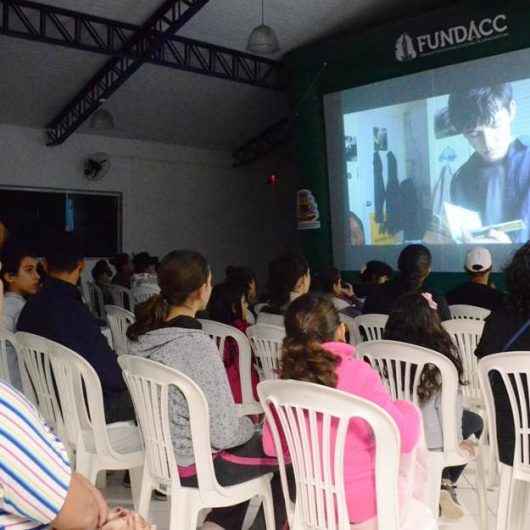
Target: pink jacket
x=358, y=378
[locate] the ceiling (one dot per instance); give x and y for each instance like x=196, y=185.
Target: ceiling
x=170, y=106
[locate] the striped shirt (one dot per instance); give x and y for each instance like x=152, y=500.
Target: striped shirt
x=34, y=468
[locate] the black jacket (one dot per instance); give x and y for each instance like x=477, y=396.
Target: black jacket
x=57, y=313
x=500, y=327
x=476, y=294
x=383, y=299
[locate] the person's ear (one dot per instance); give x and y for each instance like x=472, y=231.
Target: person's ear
x=340, y=333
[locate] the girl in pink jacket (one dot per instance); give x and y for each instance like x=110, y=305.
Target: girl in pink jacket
x=314, y=350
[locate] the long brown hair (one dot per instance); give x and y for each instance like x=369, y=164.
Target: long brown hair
x=413, y=321
x=310, y=320
x=181, y=273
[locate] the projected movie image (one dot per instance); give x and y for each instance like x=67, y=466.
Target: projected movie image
x=450, y=169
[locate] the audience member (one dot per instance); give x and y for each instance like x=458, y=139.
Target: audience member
x=228, y=305
x=124, y=271
x=373, y=274
x=167, y=331
x=21, y=280
x=477, y=291
x=414, y=266
x=508, y=329
x=289, y=278
x=102, y=276
x=37, y=486
x=4, y=233
x=414, y=319
x=314, y=351
x=57, y=313
x=340, y=293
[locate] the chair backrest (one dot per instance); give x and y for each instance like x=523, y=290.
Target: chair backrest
x=369, y=327
x=144, y=291
x=119, y=320
x=514, y=370
x=314, y=421
x=81, y=399
x=400, y=366
x=259, y=307
x=469, y=312
x=349, y=322
x=121, y=296
x=266, y=342
x=219, y=333
x=38, y=383
x=96, y=300
x=149, y=383
x=466, y=335
x=7, y=340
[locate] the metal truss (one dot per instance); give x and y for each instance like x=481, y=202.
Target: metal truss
x=273, y=136
x=62, y=27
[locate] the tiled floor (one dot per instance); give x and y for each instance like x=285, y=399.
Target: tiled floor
x=117, y=495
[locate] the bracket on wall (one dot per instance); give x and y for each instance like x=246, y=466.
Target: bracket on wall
x=277, y=134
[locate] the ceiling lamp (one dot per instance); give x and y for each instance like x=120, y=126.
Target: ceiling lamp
x=262, y=38
x=102, y=120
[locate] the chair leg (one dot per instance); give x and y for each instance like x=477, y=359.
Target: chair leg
x=517, y=504
x=504, y=497
x=268, y=507
x=435, y=468
x=183, y=512
x=86, y=466
x=136, y=474
x=481, y=492
x=252, y=511
x=101, y=480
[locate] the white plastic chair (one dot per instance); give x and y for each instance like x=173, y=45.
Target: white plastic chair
x=96, y=300
x=259, y=307
x=34, y=361
x=99, y=446
x=149, y=383
x=468, y=312
x=349, y=322
x=266, y=342
x=466, y=335
x=369, y=327
x=144, y=291
x=270, y=319
x=514, y=369
x=8, y=357
x=219, y=333
x=119, y=320
x=121, y=296
x=400, y=366
x=305, y=413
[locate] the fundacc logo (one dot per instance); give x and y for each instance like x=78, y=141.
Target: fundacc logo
x=409, y=48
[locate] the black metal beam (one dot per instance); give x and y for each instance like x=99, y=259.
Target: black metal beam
x=62, y=27
x=165, y=21
x=264, y=143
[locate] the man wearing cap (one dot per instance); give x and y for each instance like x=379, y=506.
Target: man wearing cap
x=477, y=290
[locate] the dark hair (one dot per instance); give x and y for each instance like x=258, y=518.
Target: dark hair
x=120, y=260
x=414, y=264
x=310, y=321
x=472, y=108
x=12, y=256
x=101, y=267
x=413, y=321
x=517, y=274
x=329, y=278
x=374, y=270
x=243, y=275
x=181, y=273
x=141, y=262
x=225, y=302
x=284, y=273
x=64, y=252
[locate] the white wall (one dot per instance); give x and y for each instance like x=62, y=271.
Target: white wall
x=173, y=196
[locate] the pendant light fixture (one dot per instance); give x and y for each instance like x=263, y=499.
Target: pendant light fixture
x=262, y=38
x=102, y=120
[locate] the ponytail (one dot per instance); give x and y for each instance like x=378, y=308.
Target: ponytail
x=304, y=359
x=150, y=315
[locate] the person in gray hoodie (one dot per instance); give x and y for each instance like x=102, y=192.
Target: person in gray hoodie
x=167, y=331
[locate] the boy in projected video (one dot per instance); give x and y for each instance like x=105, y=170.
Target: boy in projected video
x=495, y=180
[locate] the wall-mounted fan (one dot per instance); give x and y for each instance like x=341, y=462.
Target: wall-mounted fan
x=96, y=166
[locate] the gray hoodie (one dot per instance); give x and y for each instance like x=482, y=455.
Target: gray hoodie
x=194, y=353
